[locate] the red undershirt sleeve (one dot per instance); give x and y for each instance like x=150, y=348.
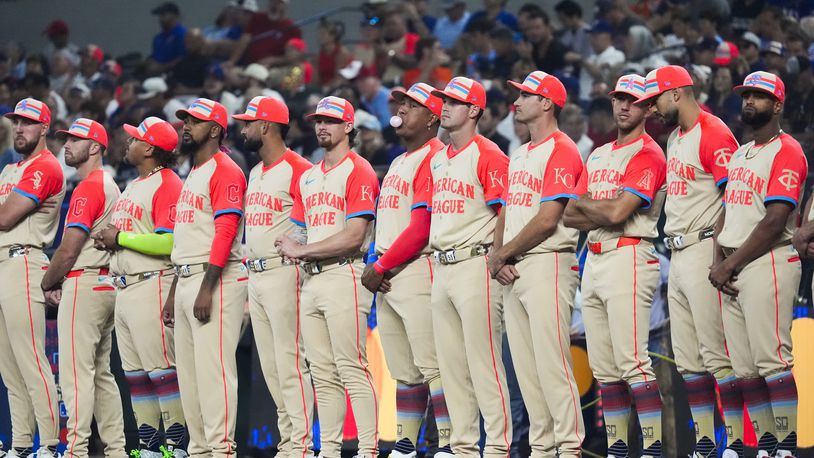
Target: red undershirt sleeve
x=225, y=233
x=408, y=244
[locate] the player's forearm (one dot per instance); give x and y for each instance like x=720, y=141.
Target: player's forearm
x=763, y=237
x=348, y=242
x=607, y=212
x=211, y=278
x=149, y=244
x=60, y=266
x=718, y=252
x=535, y=232
x=575, y=219
x=500, y=227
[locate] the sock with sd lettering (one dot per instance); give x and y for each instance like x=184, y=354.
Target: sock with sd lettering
x=701, y=397
x=758, y=403
x=146, y=410
x=165, y=383
x=732, y=403
x=411, y=403
x=439, y=409
x=648, y=406
x=783, y=394
x=616, y=411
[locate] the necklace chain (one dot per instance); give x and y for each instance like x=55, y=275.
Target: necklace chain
x=155, y=170
x=748, y=156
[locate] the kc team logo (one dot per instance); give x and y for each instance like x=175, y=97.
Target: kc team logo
x=494, y=179
x=564, y=178
x=366, y=194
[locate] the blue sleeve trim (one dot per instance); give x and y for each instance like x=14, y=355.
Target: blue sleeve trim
x=298, y=223
x=362, y=213
x=23, y=193
x=228, y=210
x=163, y=230
x=419, y=205
x=80, y=226
x=722, y=181
x=642, y=196
x=429, y=209
x=780, y=198
x=559, y=196
x=495, y=201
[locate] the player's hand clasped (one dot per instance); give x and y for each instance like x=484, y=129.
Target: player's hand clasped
x=504, y=273
x=289, y=248
x=374, y=281
x=722, y=275
x=106, y=239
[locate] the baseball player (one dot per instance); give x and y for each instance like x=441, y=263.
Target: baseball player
x=403, y=272
x=78, y=282
x=205, y=305
x=337, y=205
x=621, y=194
x=698, y=152
x=758, y=268
x=468, y=176
x=533, y=256
x=26, y=228
x=274, y=285
x=140, y=239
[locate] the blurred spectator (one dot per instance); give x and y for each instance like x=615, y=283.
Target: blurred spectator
x=126, y=100
x=601, y=127
x=773, y=56
x=76, y=96
x=57, y=33
x=299, y=71
x=422, y=10
x=703, y=53
x=91, y=58
x=36, y=64
x=722, y=101
x=749, y=48
x=7, y=153
x=102, y=92
x=547, y=53
x=156, y=100
x=63, y=70
x=187, y=77
x=502, y=43
x=395, y=50
x=641, y=49
x=621, y=19
x=373, y=97
x=265, y=37
x=798, y=111
x=255, y=77
x=744, y=13
x=449, y=27
x=169, y=44
x=574, y=34
x=332, y=54
x=702, y=80
x=603, y=64
x=495, y=12
x=432, y=65
x=767, y=23
x=480, y=64
x=572, y=122
x=487, y=126
x=725, y=53
x=39, y=87
x=709, y=24
x=371, y=143
x=214, y=88
x=6, y=103
x=682, y=34
x=224, y=35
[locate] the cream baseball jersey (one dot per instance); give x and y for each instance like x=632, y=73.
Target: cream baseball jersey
x=332, y=196
x=637, y=167
x=407, y=186
x=697, y=163
x=38, y=178
x=759, y=175
x=540, y=173
x=214, y=188
x=147, y=205
x=465, y=184
x=91, y=209
x=270, y=197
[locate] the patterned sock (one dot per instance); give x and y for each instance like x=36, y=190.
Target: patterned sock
x=701, y=396
x=439, y=409
x=758, y=403
x=165, y=383
x=411, y=404
x=732, y=404
x=146, y=410
x=783, y=395
x=616, y=411
x=52, y=449
x=23, y=452
x=648, y=406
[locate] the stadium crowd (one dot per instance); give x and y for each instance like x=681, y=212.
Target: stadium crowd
x=255, y=49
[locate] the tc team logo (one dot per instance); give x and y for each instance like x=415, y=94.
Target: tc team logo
x=789, y=179
x=722, y=157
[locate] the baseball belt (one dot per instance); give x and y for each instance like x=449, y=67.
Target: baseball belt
x=188, y=270
x=317, y=267
x=612, y=244
x=455, y=256
x=679, y=242
x=263, y=264
x=102, y=272
x=123, y=281
x=516, y=259
x=729, y=251
x=15, y=251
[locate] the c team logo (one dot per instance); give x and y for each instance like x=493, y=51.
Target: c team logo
x=233, y=193
x=79, y=206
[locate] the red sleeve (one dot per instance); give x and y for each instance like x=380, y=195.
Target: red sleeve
x=87, y=205
x=164, y=201
x=297, y=209
x=225, y=233
x=408, y=244
x=422, y=185
x=788, y=175
x=582, y=183
x=717, y=146
x=227, y=187
x=562, y=172
x=41, y=180
x=645, y=174
x=493, y=166
x=361, y=190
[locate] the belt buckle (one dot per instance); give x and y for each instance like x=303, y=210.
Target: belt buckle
x=149, y=275
x=16, y=251
x=120, y=281
x=182, y=270
x=313, y=268
x=677, y=242
x=448, y=257
x=256, y=265
x=286, y=261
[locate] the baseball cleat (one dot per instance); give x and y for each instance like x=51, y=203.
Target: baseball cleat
x=150, y=454
x=444, y=452
x=43, y=452
x=763, y=454
x=398, y=454
x=783, y=454
x=729, y=453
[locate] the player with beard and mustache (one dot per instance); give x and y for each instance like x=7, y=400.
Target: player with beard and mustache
x=757, y=267
x=31, y=192
x=698, y=153
x=274, y=283
x=206, y=303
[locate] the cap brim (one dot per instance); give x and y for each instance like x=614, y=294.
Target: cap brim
x=740, y=89
x=65, y=133
x=132, y=131
x=244, y=117
x=314, y=115
x=12, y=115
x=444, y=95
x=521, y=86
x=647, y=98
x=612, y=93
x=399, y=94
x=183, y=113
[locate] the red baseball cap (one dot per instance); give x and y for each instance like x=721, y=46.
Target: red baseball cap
x=421, y=93
x=632, y=84
x=156, y=132
x=205, y=110
x=724, y=53
x=464, y=90
x=334, y=107
x=56, y=27
x=765, y=82
x=87, y=129
x=543, y=84
x=664, y=79
x=31, y=109
x=265, y=108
